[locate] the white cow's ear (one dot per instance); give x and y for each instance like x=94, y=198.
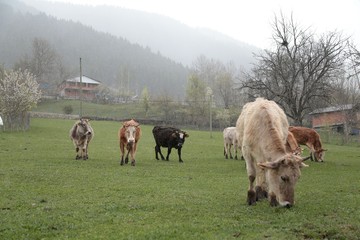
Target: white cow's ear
x=271, y=165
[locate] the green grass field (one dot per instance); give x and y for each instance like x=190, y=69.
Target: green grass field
x=46, y=194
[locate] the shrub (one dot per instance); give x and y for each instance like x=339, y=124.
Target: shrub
x=68, y=109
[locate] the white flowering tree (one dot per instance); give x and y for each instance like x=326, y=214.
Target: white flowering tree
x=19, y=92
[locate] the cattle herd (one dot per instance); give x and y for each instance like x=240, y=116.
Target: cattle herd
x=129, y=134
x=269, y=146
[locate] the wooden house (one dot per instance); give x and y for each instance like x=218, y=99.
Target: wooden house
x=70, y=88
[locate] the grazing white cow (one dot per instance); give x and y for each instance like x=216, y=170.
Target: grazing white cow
x=81, y=134
x=230, y=139
x=262, y=133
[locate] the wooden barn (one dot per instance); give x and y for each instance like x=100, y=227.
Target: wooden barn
x=70, y=88
x=344, y=118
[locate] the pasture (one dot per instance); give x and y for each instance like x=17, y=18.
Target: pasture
x=46, y=194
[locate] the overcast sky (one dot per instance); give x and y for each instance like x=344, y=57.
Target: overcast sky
x=250, y=21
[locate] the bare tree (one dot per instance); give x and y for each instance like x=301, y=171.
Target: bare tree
x=196, y=99
x=145, y=100
x=44, y=58
x=298, y=73
x=354, y=65
x=166, y=106
x=217, y=76
x=45, y=64
x=224, y=84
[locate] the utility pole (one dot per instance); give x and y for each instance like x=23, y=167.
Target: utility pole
x=80, y=114
x=211, y=99
x=209, y=93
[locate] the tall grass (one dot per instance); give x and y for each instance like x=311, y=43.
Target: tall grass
x=46, y=194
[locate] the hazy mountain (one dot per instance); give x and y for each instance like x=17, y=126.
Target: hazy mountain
x=107, y=58
x=160, y=33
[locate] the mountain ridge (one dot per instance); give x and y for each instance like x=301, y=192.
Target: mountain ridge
x=160, y=33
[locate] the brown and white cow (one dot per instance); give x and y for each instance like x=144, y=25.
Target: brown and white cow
x=129, y=135
x=263, y=129
x=310, y=138
x=81, y=134
x=230, y=140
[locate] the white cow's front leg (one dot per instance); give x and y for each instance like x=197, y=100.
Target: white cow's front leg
x=251, y=172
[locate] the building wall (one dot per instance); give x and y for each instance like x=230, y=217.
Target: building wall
x=328, y=119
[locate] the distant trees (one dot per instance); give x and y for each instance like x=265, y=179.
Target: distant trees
x=300, y=71
x=219, y=77
x=19, y=92
x=354, y=65
x=145, y=98
x=211, y=77
x=45, y=64
x=196, y=98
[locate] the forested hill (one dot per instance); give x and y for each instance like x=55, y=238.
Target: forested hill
x=105, y=57
x=170, y=37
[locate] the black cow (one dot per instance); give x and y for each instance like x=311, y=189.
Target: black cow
x=169, y=137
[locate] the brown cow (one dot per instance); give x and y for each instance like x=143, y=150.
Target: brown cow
x=292, y=145
x=262, y=132
x=129, y=135
x=310, y=138
x=81, y=134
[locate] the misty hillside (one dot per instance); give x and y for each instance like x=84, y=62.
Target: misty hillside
x=105, y=57
x=160, y=33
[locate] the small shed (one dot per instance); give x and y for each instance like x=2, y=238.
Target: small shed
x=342, y=118
x=70, y=88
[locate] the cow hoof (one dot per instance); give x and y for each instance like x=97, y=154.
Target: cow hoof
x=181, y=161
x=273, y=201
x=260, y=193
x=77, y=158
x=126, y=160
x=251, y=198
x=122, y=163
x=133, y=163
